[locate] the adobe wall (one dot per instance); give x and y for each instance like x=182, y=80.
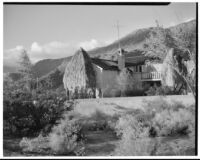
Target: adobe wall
x=107, y=81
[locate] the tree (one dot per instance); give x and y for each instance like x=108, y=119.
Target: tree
x=26, y=67
x=127, y=82
x=26, y=70
x=186, y=40
x=161, y=41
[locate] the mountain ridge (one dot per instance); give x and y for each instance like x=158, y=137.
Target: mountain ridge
x=133, y=40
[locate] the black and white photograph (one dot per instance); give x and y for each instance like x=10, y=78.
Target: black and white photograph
x=100, y=79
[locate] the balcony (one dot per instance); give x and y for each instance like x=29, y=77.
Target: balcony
x=148, y=76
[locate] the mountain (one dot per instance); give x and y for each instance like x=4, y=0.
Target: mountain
x=130, y=42
x=45, y=66
x=136, y=39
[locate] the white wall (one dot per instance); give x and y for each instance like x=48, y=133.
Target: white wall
x=106, y=79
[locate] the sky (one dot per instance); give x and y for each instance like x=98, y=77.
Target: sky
x=56, y=31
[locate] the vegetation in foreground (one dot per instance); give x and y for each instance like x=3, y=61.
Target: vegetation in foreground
x=162, y=129
x=141, y=132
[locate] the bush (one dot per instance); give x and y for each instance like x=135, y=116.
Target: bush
x=100, y=121
x=177, y=147
x=67, y=138
x=170, y=119
x=170, y=122
x=161, y=90
x=134, y=138
x=37, y=145
x=137, y=128
x=29, y=113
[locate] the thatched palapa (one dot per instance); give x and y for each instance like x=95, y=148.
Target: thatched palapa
x=79, y=72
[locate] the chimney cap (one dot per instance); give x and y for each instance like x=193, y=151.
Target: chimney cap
x=121, y=51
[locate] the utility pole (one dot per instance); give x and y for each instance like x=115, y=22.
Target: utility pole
x=118, y=33
x=118, y=36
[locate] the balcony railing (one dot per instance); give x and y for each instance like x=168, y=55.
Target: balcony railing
x=148, y=75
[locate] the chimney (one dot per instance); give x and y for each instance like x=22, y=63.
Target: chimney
x=121, y=59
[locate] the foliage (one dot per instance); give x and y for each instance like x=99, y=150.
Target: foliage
x=127, y=83
x=159, y=42
x=183, y=42
x=134, y=137
x=161, y=90
x=176, y=147
x=29, y=109
x=170, y=122
x=140, y=130
x=26, y=66
x=31, y=112
x=67, y=138
x=52, y=81
x=171, y=118
x=100, y=121
x=37, y=145
x=186, y=40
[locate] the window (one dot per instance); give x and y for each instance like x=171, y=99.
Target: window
x=140, y=68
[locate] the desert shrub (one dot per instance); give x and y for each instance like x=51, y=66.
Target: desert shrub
x=157, y=105
x=37, y=145
x=140, y=129
x=160, y=90
x=100, y=121
x=67, y=137
x=178, y=146
x=170, y=122
x=135, y=139
x=170, y=118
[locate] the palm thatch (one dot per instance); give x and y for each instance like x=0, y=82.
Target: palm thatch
x=79, y=72
x=170, y=77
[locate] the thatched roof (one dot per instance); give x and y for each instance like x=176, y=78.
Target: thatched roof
x=169, y=75
x=105, y=64
x=79, y=72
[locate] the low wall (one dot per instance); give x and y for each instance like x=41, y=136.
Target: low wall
x=113, y=105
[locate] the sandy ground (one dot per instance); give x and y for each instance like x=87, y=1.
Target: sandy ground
x=112, y=106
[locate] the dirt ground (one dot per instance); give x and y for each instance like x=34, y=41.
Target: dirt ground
x=98, y=143
x=112, y=106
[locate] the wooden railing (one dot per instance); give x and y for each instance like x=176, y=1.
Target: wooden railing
x=151, y=75
x=147, y=75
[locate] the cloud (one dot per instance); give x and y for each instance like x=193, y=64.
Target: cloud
x=11, y=56
x=35, y=47
x=91, y=44
x=171, y=24
x=50, y=50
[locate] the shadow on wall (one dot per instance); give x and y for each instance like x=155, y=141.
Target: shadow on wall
x=114, y=92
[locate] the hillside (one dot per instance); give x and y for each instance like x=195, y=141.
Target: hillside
x=130, y=42
x=47, y=65
x=136, y=39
